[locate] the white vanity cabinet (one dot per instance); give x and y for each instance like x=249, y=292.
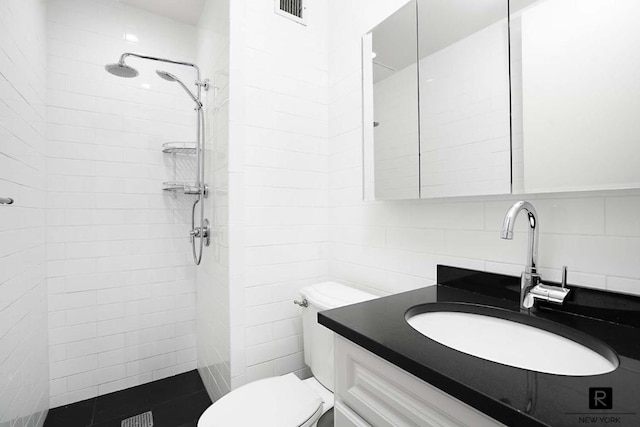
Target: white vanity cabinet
x=373, y=392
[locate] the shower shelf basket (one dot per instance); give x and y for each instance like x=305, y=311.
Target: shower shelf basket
x=179, y=148
x=181, y=187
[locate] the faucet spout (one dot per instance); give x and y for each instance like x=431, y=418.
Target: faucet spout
x=532, y=219
x=530, y=278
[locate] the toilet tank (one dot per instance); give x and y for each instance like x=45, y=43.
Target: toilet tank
x=318, y=340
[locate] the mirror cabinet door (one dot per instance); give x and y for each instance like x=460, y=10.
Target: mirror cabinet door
x=576, y=94
x=390, y=99
x=465, y=141
x=436, y=101
x=456, y=108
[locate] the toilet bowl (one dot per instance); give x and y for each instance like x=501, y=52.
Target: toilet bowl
x=287, y=401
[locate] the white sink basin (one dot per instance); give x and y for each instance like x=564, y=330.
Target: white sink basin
x=511, y=343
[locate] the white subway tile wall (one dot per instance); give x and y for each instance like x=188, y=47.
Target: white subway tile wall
x=122, y=294
x=24, y=371
x=278, y=185
x=213, y=275
x=395, y=246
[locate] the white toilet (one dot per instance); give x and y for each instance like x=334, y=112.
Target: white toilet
x=287, y=401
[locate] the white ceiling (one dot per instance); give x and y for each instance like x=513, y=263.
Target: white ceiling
x=187, y=11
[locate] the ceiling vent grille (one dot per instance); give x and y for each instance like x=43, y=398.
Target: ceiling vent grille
x=292, y=9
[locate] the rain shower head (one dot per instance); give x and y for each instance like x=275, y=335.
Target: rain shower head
x=171, y=78
x=121, y=69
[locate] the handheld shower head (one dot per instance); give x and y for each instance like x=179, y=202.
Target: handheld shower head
x=167, y=76
x=121, y=69
x=171, y=78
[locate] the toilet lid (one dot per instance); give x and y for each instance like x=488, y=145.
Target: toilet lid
x=272, y=402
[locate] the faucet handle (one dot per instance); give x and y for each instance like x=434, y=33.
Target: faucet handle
x=564, y=276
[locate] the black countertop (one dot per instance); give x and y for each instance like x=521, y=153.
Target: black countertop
x=513, y=396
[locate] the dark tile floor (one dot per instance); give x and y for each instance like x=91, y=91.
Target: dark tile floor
x=175, y=402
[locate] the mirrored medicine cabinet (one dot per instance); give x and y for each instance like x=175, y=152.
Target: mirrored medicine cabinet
x=468, y=98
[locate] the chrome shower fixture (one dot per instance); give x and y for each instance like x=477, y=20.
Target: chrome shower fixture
x=203, y=231
x=121, y=69
x=171, y=78
x=167, y=76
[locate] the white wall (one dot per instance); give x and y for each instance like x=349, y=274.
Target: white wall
x=213, y=275
x=278, y=182
x=121, y=280
x=394, y=246
x=24, y=369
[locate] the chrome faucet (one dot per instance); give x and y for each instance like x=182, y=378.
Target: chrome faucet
x=531, y=288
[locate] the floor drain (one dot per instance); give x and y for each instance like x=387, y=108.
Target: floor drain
x=141, y=420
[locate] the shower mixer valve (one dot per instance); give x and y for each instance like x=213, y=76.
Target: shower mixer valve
x=203, y=232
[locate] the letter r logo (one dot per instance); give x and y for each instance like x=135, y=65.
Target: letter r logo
x=600, y=398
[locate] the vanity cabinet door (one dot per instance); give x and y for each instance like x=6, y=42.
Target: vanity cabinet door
x=384, y=395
